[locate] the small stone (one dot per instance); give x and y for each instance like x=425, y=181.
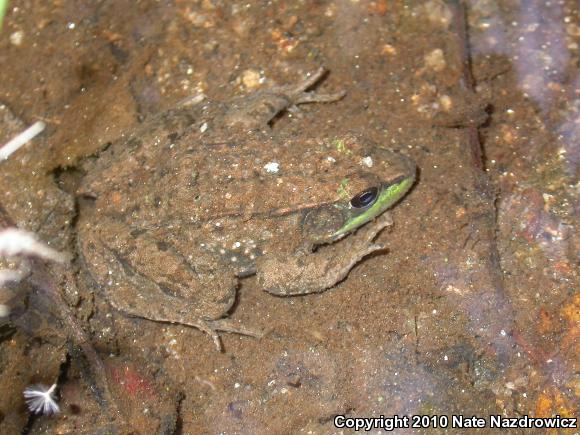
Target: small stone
x=446, y=102
x=272, y=167
x=250, y=79
x=198, y=19
x=367, y=161
x=388, y=49
x=16, y=38
x=438, y=12
x=435, y=60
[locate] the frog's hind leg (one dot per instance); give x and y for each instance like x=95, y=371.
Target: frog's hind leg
x=161, y=307
x=158, y=285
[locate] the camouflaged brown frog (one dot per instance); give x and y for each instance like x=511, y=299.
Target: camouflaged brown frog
x=205, y=194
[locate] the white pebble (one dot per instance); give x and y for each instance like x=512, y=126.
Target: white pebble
x=16, y=37
x=272, y=167
x=367, y=161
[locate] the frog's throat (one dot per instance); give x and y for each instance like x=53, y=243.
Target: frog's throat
x=390, y=194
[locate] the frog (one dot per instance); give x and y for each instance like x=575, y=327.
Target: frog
x=175, y=215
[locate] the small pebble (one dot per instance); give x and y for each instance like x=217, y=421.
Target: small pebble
x=16, y=38
x=435, y=60
x=367, y=161
x=446, y=102
x=250, y=79
x=272, y=167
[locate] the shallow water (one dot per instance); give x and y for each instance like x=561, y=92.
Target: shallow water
x=473, y=309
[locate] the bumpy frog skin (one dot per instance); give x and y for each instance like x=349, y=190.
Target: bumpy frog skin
x=203, y=195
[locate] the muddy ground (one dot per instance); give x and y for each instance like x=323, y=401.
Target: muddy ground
x=472, y=311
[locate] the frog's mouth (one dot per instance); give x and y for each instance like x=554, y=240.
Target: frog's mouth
x=333, y=221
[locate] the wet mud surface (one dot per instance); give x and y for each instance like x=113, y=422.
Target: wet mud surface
x=473, y=308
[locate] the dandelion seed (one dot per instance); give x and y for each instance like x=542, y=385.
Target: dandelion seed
x=40, y=399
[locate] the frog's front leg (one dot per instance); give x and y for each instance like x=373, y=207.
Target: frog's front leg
x=312, y=272
x=148, y=278
x=258, y=109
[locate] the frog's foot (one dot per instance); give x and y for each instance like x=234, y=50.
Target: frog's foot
x=298, y=94
x=176, y=314
x=258, y=109
x=320, y=270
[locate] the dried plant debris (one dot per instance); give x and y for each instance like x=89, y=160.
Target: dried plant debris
x=40, y=399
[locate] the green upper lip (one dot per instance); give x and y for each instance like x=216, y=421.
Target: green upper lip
x=389, y=194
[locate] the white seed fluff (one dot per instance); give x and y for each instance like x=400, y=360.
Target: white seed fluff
x=40, y=399
x=9, y=275
x=4, y=310
x=18, y=242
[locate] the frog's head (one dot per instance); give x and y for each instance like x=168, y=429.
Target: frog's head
x=376, y=191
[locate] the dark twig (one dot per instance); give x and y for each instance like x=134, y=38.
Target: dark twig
x=488, y=222
x=467, y=82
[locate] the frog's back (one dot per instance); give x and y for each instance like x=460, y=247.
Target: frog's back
x=184, y=164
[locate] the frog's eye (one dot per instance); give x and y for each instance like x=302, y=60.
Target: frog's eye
x=365, y=198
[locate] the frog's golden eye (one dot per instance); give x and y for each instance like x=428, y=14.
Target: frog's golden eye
x=366, y=198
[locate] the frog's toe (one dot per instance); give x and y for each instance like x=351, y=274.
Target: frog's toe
x=313, y=97
x=213, y=327
x=372, y=229
x=298, y=94
x=310, y=80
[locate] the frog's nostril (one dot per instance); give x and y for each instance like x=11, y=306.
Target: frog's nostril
x=365, y=198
